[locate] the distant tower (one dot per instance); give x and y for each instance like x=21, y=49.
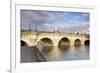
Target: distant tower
x=36, y=28
x=55, y=28
x=29, y=27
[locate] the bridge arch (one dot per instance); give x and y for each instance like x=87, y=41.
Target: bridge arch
x=64, y=43
x=45, y=43
x=77, y=42
x=87, y=42
x=23, y=43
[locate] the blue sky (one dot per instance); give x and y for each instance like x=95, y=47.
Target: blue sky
x=55, y=20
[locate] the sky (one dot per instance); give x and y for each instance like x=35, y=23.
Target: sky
x=55, y=21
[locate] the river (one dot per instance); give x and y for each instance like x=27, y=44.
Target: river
x=54, y=53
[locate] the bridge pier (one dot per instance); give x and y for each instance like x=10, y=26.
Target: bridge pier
x=72, y=42
x=82, y=42
x=55, y=42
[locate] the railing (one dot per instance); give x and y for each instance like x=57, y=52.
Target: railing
x=39, y=56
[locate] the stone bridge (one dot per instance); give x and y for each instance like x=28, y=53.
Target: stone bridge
x=32, y=38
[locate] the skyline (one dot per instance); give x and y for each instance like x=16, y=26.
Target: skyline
x=55, y=20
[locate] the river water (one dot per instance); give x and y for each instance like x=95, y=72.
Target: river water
x=56, y=54
x=67, y=53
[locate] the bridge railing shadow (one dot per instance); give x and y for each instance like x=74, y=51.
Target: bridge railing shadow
x=39, y=55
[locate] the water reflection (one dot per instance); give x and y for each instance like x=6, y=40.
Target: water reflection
x=41, y=53
x=55, y=53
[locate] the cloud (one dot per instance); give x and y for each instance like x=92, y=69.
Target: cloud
x=59, y=21
x=84, y=28
x=46, y=27
x=65, y=28
x=33, y=16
